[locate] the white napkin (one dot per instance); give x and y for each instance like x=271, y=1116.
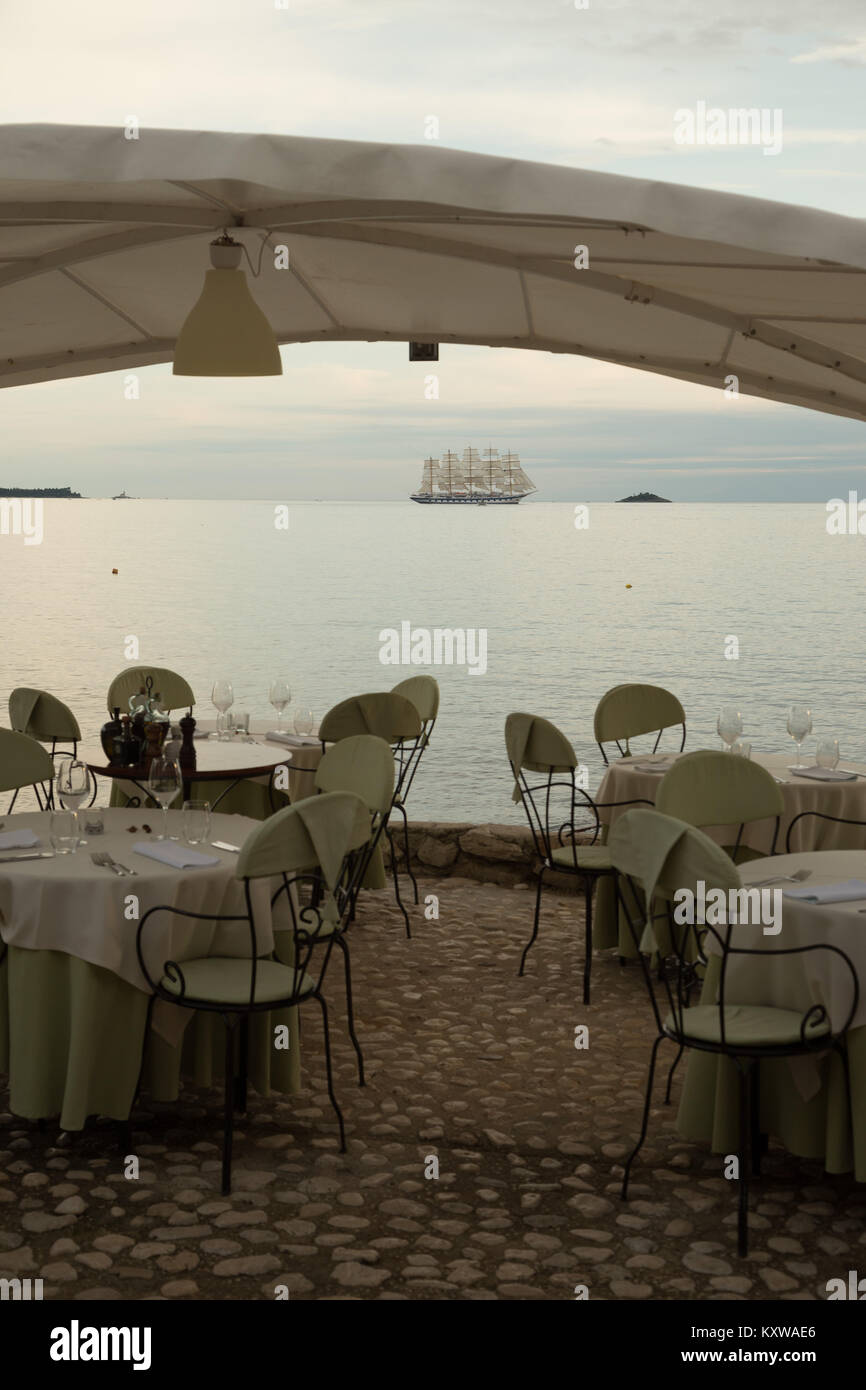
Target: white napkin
x=848, y=892
x=660, y=767
x=824, y=774
x=18, y=839
x=178, y=856
x=295, y=740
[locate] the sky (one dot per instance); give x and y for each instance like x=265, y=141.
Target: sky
x=593, y=88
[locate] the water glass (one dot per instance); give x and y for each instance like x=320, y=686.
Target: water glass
x=196, y=822
x=742, y=748
x=303, y=721
x=729, y=724
x=799, y=725
x=827, y=754
x=64, y=832
x=241, y=722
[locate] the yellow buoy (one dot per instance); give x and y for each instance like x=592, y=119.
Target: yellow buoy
x=628, y=586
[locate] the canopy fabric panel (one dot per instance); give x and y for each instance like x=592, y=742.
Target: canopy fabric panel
x=103, y=249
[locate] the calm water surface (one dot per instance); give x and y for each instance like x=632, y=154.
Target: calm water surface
x=213, y=589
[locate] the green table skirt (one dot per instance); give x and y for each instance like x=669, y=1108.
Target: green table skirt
x=71, y=1043
x=830, y=1127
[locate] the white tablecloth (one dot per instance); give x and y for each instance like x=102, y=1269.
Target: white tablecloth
x=69, y=904
x=623, y=781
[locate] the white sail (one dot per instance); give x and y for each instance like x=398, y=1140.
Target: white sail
x=472, y=471
x=450, y=475
x=517, y=482
x=491, y=468
x=429, y=478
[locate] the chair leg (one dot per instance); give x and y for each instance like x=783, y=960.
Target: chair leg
x=644, y=1124
x=587, y=964
x=350, y=1011
x=402, y=809
x=539, y=890
x=745, y=1068
x=12, y=802
x=229, y=1118
x=338, y=1112
x=755, y=1120
x=674, y=1064
x=241, y=1078
x=399, y=900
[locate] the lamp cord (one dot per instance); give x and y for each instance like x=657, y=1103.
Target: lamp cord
x=257, y=270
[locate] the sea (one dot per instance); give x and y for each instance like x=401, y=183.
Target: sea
x=754, y=605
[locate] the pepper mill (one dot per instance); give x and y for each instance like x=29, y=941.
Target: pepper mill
x=187, y=748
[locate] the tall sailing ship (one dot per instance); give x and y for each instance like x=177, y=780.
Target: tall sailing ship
x=480, y=478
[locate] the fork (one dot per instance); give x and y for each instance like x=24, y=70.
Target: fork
x=102, y=862
x=105, y=861
x=799, y=877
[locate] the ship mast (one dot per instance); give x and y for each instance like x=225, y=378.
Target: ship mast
x=450, y=469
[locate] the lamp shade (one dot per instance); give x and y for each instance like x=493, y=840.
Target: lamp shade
x=226, y=333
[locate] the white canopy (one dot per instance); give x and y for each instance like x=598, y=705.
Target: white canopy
x=103, y=249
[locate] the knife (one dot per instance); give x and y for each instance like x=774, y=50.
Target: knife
x=33, y=854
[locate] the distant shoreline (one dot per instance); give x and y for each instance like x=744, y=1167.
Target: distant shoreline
x=39, y=492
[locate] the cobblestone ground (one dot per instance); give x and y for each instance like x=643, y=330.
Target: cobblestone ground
x=464, y=1061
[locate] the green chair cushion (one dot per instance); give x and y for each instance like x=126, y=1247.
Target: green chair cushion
x=595, y=857
x=746, y=1025
x=226, y=980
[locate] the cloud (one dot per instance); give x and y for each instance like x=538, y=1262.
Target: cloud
x=847, y=53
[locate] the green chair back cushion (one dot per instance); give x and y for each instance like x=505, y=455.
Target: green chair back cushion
x=23, y=761
x=627, y=711
x=382, y=713
x=363, y=765
x=423, y=691
x=316, y=832
x=534, y=743
x=42, y=716
x=665, y=854
x=176, y=693
x=714, y=788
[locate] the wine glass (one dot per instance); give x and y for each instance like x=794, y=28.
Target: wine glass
x=799, y=725
x=827, y=753
x=163, y=784
x=303, y=721
x=279, y=695
x=223, y=697
x=73, y=786
x=729, y=724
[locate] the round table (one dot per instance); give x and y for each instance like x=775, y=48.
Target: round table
x=804, y=1100
x=73, y=999
x=234, y=762
x=625, y=781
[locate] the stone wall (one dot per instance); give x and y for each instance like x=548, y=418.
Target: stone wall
x=493, y=853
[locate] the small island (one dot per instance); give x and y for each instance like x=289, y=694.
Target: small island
x=644, y=497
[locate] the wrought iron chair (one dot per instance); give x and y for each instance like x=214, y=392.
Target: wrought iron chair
x=628, y=711
x=423, y=691
x=47, y=719
x=665, y=856
x=176, y=693
x=364, y=766
x=713, y=788
x=395, y=719
x=25, y=763
x=552, y=806
x=310, y=846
